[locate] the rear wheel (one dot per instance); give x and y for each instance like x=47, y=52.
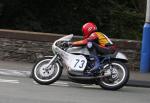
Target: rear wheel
x=118, y=78
x=45, y=76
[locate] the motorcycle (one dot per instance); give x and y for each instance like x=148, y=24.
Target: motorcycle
x=78, y=62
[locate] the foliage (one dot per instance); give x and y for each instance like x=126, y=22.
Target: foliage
x=117, y=18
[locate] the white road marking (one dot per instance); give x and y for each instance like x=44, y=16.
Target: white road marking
x=61, y=82
x=35, y=82
x=58, y=83
x=15, y=72
x=67, y=84
x=63, y=85
x=9, y=81
x=91, y=86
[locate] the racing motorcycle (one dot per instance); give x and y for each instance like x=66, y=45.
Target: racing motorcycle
x=78, y=62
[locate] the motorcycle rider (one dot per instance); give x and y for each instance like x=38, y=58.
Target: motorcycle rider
x=96, y=42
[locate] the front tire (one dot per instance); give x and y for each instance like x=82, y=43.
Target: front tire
x=118, y=79
x=46, y=76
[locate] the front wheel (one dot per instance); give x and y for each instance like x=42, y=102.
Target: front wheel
x=118, y=78
x=43, y=75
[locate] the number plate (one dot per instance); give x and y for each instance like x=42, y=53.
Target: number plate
x=77, y=63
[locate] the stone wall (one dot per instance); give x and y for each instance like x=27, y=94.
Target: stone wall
x=132, y=50
x=30, y=46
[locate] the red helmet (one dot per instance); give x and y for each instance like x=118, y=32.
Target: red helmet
x=88, y=28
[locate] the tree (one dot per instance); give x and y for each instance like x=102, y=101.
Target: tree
x=116, y=18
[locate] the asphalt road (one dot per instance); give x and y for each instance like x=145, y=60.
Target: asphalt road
x=25, y=90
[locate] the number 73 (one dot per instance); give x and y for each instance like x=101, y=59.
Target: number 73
x=79, y=63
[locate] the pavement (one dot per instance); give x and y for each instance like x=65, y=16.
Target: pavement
x=23, y=69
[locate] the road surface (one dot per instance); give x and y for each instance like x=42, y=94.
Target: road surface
x=25, y=90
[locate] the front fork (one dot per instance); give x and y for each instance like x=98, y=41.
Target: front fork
x=49, y=65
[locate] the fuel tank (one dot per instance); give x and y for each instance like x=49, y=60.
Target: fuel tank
x=78, y=50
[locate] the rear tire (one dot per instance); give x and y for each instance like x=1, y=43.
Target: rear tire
x=118, y=80
x=44, y=76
